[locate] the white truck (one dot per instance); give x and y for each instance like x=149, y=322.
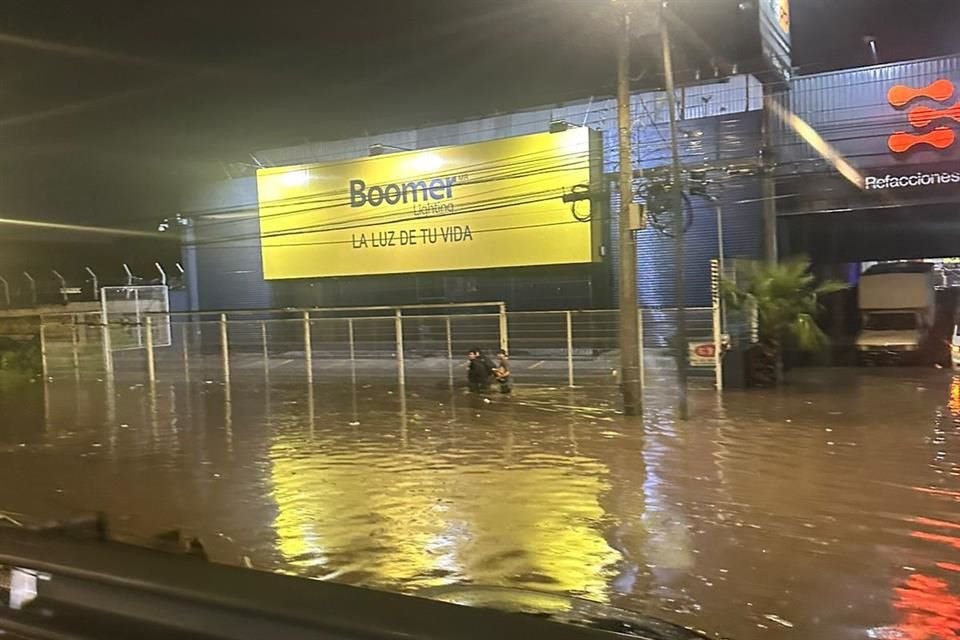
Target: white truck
x=897, y=303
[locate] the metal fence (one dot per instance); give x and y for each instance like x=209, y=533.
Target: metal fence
x=406, y=345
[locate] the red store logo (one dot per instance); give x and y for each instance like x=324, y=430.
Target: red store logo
x=922, y=117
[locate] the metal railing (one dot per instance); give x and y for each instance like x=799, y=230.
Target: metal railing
x=405, y=345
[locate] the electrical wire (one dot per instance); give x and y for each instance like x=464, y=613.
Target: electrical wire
x=339, y=197
x=391, y=218
x=852, y=126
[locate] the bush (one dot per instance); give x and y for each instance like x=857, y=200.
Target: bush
x=786, y=298
x=20, y=356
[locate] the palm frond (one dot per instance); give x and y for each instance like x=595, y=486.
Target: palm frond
x=786, y=297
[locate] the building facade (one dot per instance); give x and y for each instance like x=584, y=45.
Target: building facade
x=866, y=164
x=720, y=132
x=883, y=183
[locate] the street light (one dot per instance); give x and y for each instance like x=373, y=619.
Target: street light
x=871, y=42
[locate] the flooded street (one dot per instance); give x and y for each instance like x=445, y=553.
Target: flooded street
x=826, y=509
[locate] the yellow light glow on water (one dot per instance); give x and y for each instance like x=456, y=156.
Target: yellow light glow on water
x=408, y=519
x=954, y=403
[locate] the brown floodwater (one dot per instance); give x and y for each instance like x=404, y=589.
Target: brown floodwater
x=827, y=509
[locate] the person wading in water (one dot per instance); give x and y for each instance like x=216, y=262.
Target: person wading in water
x=502, y=372
x=479, y=371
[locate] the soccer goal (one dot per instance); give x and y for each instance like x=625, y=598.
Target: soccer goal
x=126, y=309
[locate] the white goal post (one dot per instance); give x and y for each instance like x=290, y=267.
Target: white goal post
x=125, y=310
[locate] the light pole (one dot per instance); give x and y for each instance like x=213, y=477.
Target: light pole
x=721, y=268
x=698, y=187
x=676, y=193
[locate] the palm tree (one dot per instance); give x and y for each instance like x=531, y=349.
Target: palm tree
x=786, y=298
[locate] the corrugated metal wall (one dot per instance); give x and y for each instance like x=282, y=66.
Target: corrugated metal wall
x=734, y=95
x=716, y=141
x=851, y=111
x=222, y=249
x=822, y=214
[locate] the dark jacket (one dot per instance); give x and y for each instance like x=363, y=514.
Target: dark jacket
x=479, y=370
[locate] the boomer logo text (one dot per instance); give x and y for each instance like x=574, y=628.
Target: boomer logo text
x=423, y=192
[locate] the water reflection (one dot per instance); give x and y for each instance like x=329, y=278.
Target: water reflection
x=928, y=609
x=827, y=509
x=432, y=512
x=927, y=600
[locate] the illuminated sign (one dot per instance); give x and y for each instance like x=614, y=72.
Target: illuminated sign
x=775, y=35
x=912, y=179
x=783, y=16
x=923, y=117
x=936, y=178
x=486, y=205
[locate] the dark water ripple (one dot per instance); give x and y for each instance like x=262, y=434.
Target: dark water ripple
x=830, y=508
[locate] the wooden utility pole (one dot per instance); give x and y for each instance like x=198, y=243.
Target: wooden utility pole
x=630, y=348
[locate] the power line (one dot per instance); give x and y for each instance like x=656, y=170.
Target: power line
x=484, y=206
x=325, y=197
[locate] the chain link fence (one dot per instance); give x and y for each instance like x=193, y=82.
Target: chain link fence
x=406, y=345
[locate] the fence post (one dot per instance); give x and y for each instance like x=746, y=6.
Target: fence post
x=94, y=283
x=717, y=328
x=107, y=346
x=353, y=348
x=449, y=351
x=139, y=325
x=266, y=352
x=308, y=346
x=63, y=286
x=43, y=350
x=569, y=316
x=225, y=348
x=504, y=341
x=401, y=372
x=33, y=289
x=643, y=369
x=75, y=343
x=185, y=350
x=151, y=363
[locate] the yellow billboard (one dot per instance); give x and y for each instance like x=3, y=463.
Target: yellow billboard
x=478, y=206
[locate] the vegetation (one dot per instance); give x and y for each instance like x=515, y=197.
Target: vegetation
x=786, y=298
x=20, y=356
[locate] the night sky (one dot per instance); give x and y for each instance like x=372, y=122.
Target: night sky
x=112, y=109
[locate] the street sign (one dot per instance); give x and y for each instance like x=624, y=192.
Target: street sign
x=702, y=354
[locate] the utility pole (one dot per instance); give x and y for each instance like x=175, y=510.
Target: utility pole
x=768, y=180
x=632, y=387
x=676, y=192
